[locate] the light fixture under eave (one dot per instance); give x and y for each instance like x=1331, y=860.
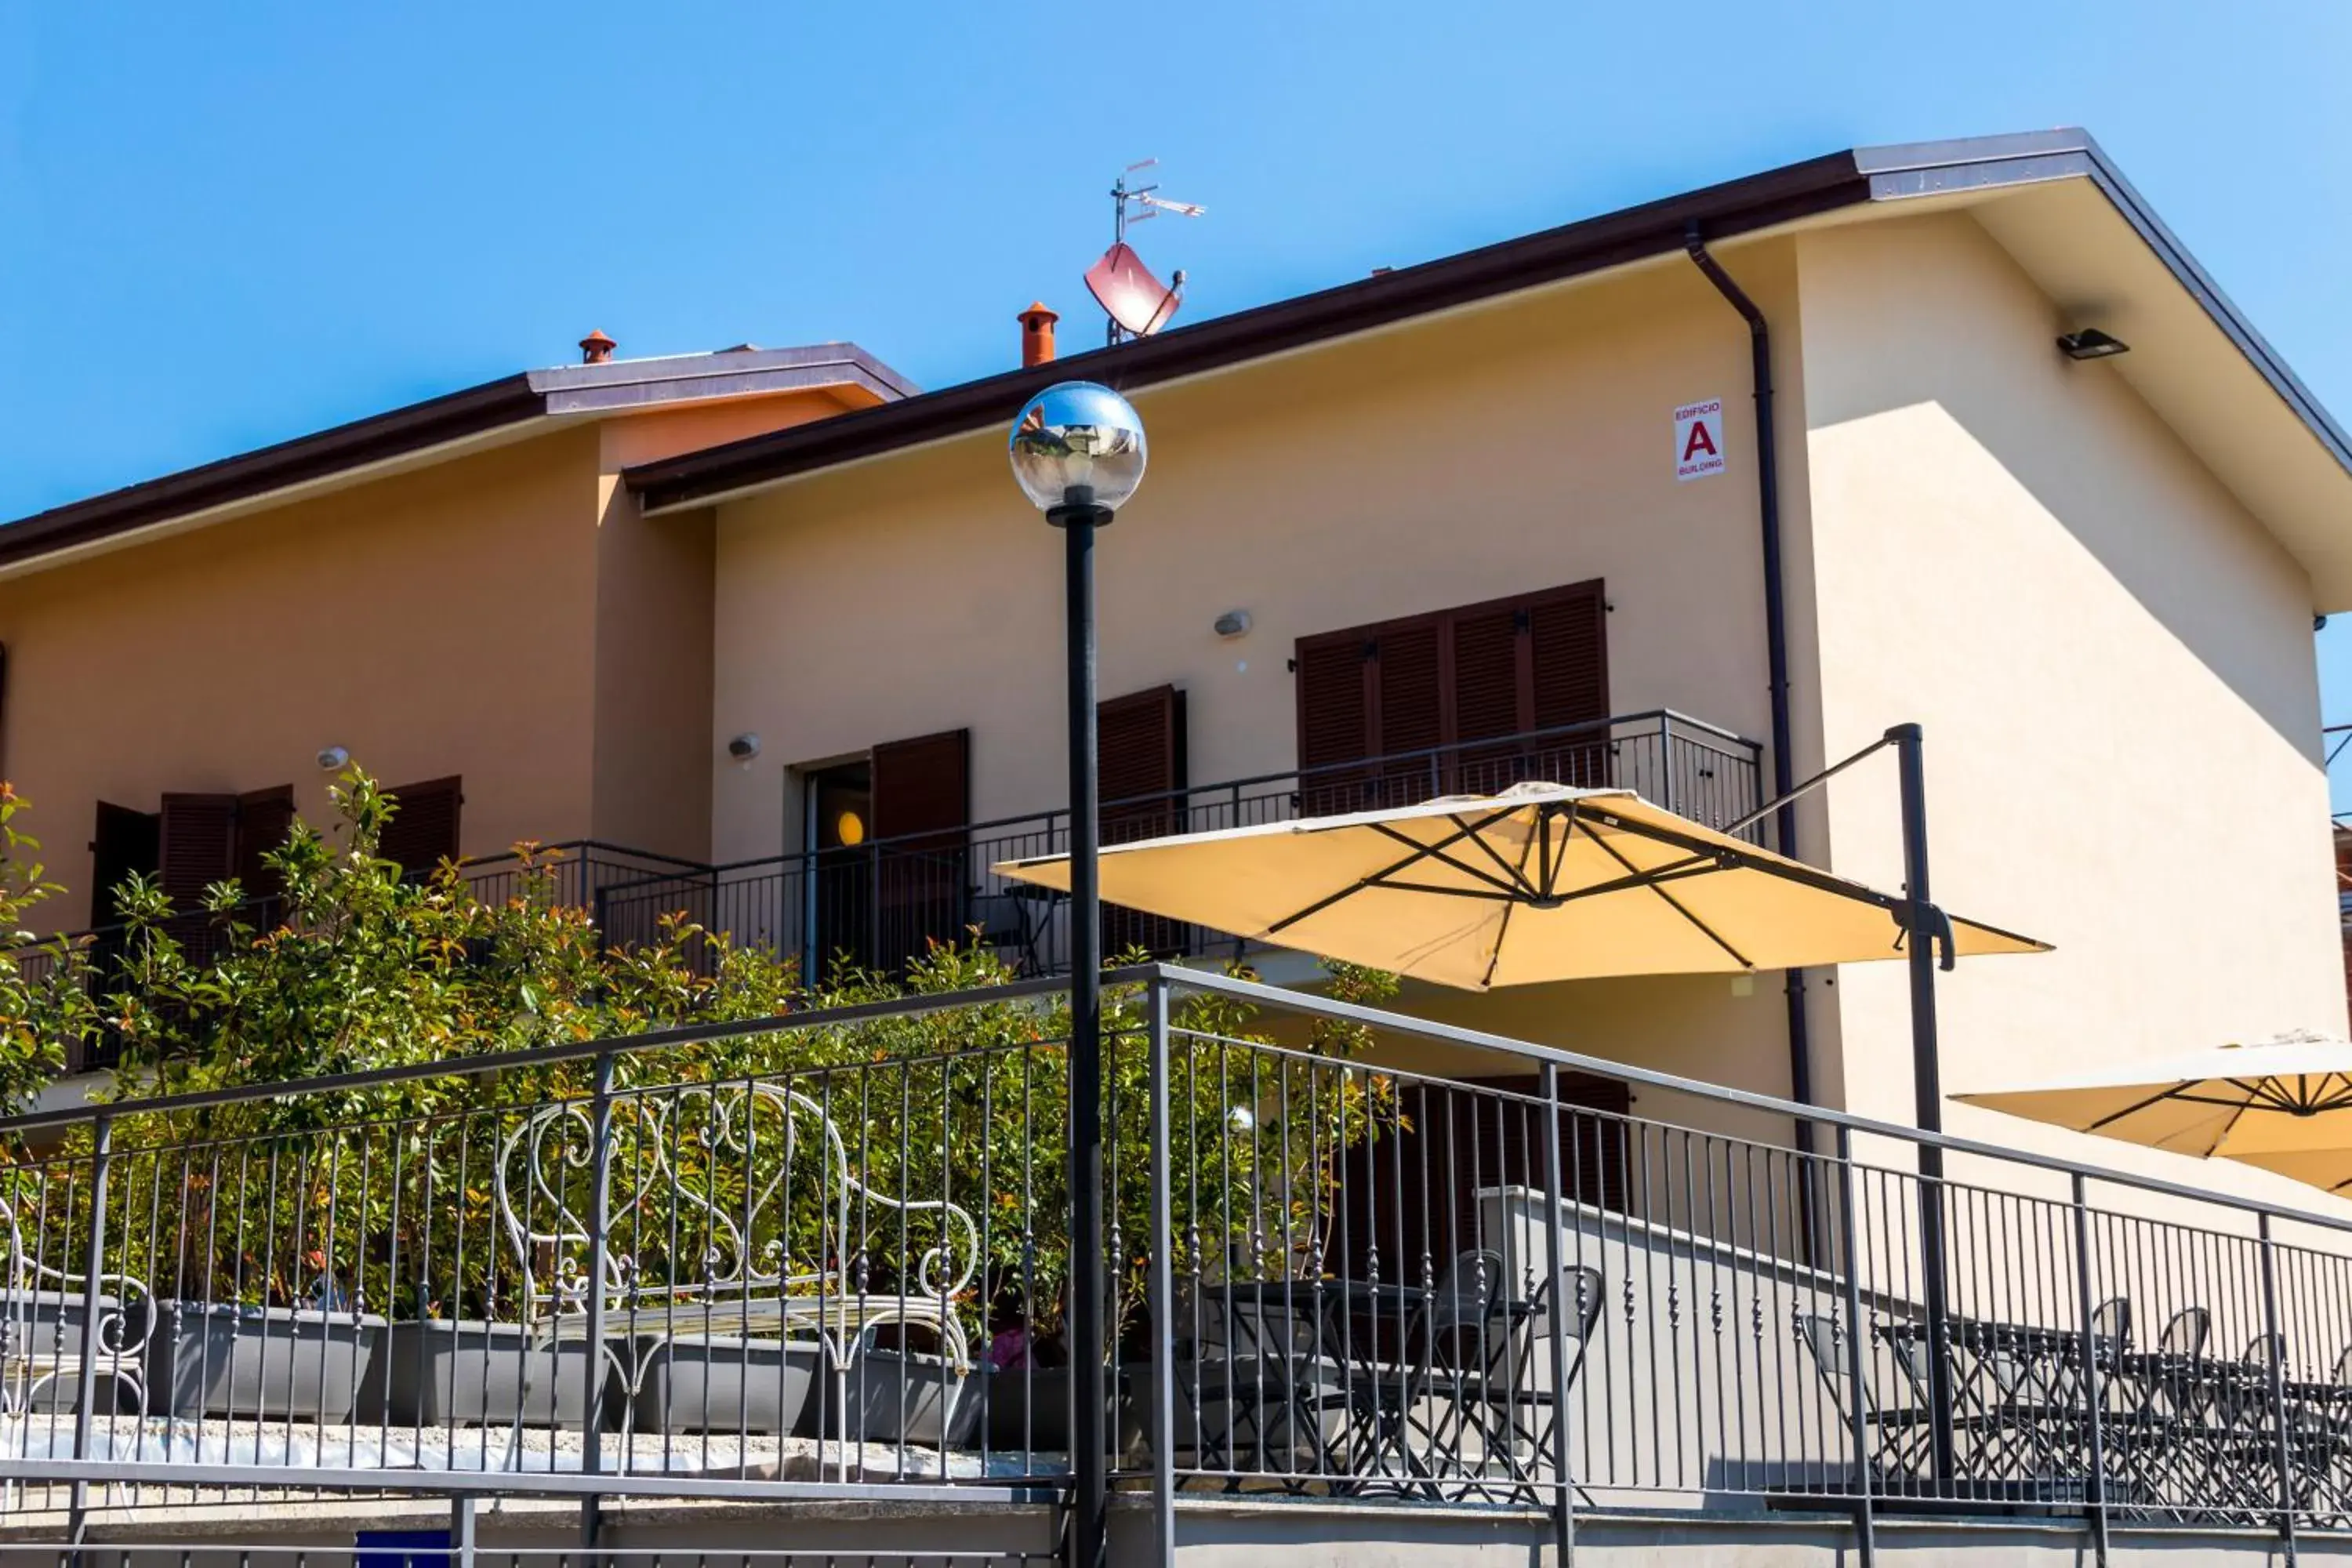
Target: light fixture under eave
x=1131, y=294
x=2092, y=344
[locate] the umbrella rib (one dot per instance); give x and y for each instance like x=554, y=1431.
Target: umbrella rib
x=1518, y=887
x=1672, y=902
x=1420, y=852
x=1503, y=928
x=1519, y=873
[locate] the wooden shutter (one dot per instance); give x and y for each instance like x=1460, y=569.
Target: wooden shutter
x=195, y=847
x=1568, y=654
x=1335, y=720
x=1412, y=1192
x=1140, y=738
x=423, y=831
x=1410, y=692
x=1445, y=683
x=263, y=818
x=922, y=803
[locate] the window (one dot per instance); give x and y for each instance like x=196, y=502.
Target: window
x=1422, y=692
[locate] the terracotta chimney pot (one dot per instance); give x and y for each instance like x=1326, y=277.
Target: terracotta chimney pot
x=596, y=347
x=1036, y=335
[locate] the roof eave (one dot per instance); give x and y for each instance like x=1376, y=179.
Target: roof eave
x=1612, y=239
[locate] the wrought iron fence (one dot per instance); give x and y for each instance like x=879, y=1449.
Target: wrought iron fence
x=829, y=1254
x=882, y=903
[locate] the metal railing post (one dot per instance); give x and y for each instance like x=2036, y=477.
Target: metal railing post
x=1161, y=1286
x=1563, y=1522
x=1865, y=1523
x=2276, y=1345
x=599, y=1226
x=93, y=1270
x=2094, y=1489
x=461, y=1530
x=1666, y=762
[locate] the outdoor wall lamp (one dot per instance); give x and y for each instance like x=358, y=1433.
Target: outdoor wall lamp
x=2092, y=344
x=332, y=758
x=744, y=747
x=1077, y=451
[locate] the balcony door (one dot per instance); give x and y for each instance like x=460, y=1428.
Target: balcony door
x=1455, y=701
x=889, y=870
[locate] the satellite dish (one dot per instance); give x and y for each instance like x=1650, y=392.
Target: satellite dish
x=1126, y=290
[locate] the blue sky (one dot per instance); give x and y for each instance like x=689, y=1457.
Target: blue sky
x=223, y=225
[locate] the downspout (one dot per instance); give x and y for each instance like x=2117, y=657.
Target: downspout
x=1776, y=642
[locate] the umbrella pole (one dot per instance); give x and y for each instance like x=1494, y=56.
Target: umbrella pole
x=1927, y=1080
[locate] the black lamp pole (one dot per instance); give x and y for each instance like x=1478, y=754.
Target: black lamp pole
x=1078, y=517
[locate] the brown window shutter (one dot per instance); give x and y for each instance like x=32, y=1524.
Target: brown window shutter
x=263, y=819
x=1491, y=695
x=1335, y=720
x=197, y=846
x=423, y=831
x=922, y=803
x=1411, y=1191
x=1140, y=740
x=1571, y=661
x=1409, y=676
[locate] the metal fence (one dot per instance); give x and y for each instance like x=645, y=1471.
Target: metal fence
x=881, y=903
x=827, y=1255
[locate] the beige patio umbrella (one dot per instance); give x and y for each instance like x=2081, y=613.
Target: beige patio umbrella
x=1542, y=882
x=2282, y=1104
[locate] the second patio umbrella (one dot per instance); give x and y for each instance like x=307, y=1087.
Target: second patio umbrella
x=1542, y=882
x=2284, y=1105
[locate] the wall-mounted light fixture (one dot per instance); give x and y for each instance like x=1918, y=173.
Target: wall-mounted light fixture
x=332, y=759
x=2092, y=344
x=1234, y=624
x=744, y=747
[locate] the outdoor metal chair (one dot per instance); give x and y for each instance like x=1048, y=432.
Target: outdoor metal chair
x=1895, y=1413
x=1467, y=1362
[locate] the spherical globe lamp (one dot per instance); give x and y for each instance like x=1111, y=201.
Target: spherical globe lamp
x=1079, y=446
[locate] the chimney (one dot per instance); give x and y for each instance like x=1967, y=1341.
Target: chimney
x=1036, y=335
x=596, y=347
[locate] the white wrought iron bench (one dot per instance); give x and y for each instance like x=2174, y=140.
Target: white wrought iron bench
x=733, y=1209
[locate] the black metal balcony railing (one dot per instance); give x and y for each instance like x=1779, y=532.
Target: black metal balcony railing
x=882, y=902
x=783, y=1260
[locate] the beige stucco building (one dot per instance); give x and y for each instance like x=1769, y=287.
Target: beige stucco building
x=2058, y=566
x=770, y=636
x=574, y=592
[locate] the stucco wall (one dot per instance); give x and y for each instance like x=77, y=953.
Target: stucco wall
x=1461, y=458
x=653, y=754
x=2112, y=660
x=439, y=622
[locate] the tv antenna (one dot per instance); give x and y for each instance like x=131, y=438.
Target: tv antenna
x=1135, y=300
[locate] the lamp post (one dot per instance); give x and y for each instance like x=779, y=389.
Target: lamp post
x=1077, y=450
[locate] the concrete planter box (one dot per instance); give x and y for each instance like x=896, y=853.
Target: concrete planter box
x=1040, y=1398
x=723, y=1382
x=253, y=1362
x=890, y=1396
x=473, y=1374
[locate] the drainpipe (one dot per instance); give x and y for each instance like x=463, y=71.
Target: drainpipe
x=1776, y=641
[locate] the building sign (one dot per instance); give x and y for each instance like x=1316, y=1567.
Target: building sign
x=1699, y=439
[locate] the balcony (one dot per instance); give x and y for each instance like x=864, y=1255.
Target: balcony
x=882, y=902
x=822, y=1262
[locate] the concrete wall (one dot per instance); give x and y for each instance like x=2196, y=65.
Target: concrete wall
x=2112, y=663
